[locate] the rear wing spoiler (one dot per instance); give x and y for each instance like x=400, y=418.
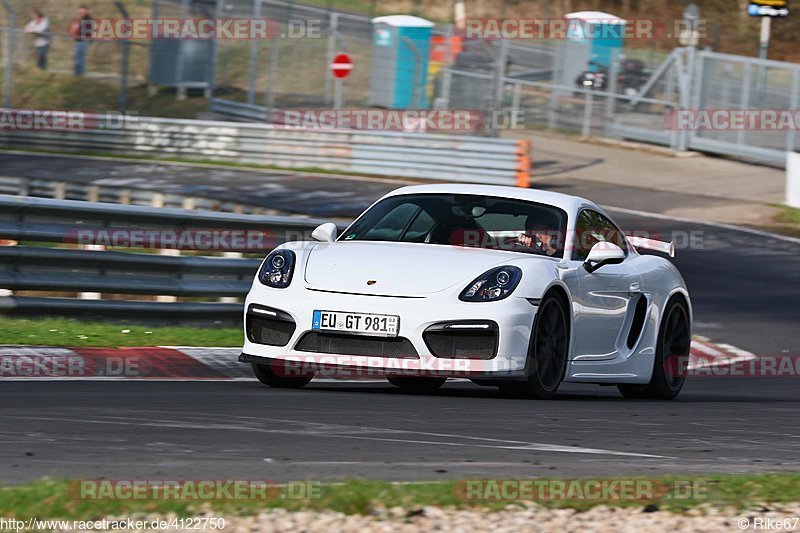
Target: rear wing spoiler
x=652, y=244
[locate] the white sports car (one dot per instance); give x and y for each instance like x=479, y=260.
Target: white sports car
x=516, y=288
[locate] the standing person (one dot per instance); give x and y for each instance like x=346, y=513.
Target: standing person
x=39, y=26
x=81, y=29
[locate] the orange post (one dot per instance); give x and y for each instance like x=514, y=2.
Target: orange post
x=523, y=163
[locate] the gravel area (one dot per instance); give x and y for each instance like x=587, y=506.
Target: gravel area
x=516, y=519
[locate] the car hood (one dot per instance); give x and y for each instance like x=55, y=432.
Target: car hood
x=397, y=269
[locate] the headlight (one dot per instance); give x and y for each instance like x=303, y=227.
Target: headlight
x=277, y=270
x=494, y=285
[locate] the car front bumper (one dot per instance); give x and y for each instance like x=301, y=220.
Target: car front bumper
x=512, y=316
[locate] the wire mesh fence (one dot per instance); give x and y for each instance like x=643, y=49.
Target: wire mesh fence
x=531, y=91
x=720, y=103
x=103, y=56
x=293, y=70
x=103, y=59
x=735, y=82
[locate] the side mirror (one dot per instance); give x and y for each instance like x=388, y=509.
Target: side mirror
x=325, y=232
x=603, y=253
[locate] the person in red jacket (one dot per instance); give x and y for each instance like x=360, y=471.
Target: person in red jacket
x=81, y=29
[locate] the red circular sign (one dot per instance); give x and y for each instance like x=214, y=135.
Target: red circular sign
x=341, y=65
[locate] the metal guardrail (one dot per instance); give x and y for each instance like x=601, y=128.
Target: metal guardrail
x=67, y=190
x=65, y=264
x=386, y=153
x=239, y=110
x=32, y=269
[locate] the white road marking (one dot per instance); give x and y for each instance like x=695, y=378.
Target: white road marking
x=736, y=351
x=411, y=463
x=706, y=349
x=351, y=432
x=529, y=447
x=726, y=355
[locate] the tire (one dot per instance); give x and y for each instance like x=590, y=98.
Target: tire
x=415, y=384
x=547, y=355
x=674, y=342
x=267, y=376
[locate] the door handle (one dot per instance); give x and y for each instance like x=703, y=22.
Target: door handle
x=634, y=288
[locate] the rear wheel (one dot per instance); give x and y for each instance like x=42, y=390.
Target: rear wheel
x=268, y=376
x=547, y=358
x=672, y=351
x=416, y=384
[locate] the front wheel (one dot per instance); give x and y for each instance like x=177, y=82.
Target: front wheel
x=547, y=357
x=672, y=351
x=268, y=376
x=415, y=384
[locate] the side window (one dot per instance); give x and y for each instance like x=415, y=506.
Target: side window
x=391, y=226
x=591, y=228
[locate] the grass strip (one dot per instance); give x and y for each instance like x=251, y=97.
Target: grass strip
x=59, y=499
x=68, y=332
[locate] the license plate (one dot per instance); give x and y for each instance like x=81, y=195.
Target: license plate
x=356, y=323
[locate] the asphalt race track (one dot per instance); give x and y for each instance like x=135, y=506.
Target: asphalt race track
x=745, y=289
x=243, y=430
x=320, y=195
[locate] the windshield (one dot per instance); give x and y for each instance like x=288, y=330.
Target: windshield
x=464, y=220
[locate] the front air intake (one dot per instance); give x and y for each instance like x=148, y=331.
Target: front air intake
x=269, y=326
x=334, y=343
x=462, y=340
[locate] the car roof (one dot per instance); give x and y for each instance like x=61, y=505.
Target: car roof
x=570, y=204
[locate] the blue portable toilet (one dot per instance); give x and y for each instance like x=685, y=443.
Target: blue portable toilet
x=400, y=62
x=592, y=37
